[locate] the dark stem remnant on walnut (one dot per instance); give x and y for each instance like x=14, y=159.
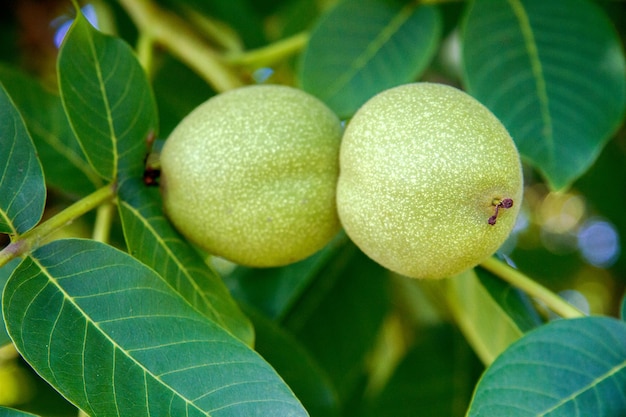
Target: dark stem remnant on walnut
x=505, y=204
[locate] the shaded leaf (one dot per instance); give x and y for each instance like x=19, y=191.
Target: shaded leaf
x=152, y=239
x=350, y=297
x=623, y=309
x=565, y=368
x=5, y=273
x=177, y=96
x=107, y=99
x=274, y=291
x=302, y=373
x=22, y=187
x=435, y=378
x=553, y=72
x=375, y=45
x=11, y=412
x=490, y=313
x=64, y=163
x=110, y=335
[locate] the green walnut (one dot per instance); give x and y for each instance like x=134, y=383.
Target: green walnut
x=430, y=181
x=251, y=174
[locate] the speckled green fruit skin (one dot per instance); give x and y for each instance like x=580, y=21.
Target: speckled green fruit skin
x=250, y=175
x=420, y=168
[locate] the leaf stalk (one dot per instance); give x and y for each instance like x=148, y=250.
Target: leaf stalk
x=34, y=237
x=173, y=33
x=532, y=288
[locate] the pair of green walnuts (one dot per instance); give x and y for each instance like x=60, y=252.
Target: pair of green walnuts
x=425, y=180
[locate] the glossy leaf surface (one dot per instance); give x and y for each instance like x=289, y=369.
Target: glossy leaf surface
x=107, y=99
x=22, y=187
x=490, y=313
x=565, y=368
x=553, y=72
x=151, y=239
x=114, y=338
x=362, y=47
x=64, y=164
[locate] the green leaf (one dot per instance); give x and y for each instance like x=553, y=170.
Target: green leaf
x=490, y=313
x=623, y=309
x=110, y=335
x=11, y=412
x=65, y=167
x=375, y=45
x=565, y=368
x=350, y=298
x=152, y=239
x=553, y=72
x=107, y=99
x=294, y=363
x=22, y=187
x=5, y=273
x=435, y=378
x=275, y=291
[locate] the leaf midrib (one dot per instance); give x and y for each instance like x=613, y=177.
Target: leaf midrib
x=89, y=320
x=372, y=49
x=149, y=228
x=587, y=387
x=105, y=98
x=538, y=73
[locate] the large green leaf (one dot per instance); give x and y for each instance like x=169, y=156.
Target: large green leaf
x=22, y=187
x=566, y=368
x=623, y=309
x=152, y=240
x=553, y=72
x=64, y=164
x=110, y=335
x=107, y=98
x=435, y=378
x=10, y=412
x=362, y=47
x=5, y=273
x=490, y=313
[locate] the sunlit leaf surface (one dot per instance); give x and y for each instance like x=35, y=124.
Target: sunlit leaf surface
x=115, y=339
x=152, y=239
x=566, y=368
x=107, y=99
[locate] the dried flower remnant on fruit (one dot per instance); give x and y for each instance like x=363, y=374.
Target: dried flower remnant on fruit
x=505, y=204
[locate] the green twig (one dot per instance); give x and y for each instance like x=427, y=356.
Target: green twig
x=270, y=54
x=104, y=220
x=532, y=288
x=173, y=33
x=145, y=53
x=33, y=238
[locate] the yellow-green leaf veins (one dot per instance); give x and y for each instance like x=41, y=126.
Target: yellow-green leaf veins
x=250, y=175
x=430, y=181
